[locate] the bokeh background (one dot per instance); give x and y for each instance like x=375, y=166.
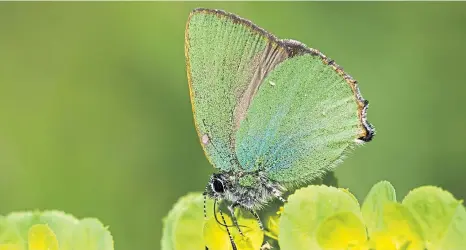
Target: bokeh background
x=95, y=117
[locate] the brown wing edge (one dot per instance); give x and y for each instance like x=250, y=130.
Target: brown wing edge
x=293, y=48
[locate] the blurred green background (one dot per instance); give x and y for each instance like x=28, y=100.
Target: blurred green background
x=95, y=117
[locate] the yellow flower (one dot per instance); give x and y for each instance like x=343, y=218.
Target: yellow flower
x=10, y=246
x=343, y=230
x=216, y=236
x=401, y=231
x=273, y=225
x=40, y=237
x=327, y=218
x=388, y=241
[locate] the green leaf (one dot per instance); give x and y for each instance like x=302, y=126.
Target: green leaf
x=438, y=212
x=21, y=222
x=62, y=225
x=183, y=226
x=455, y=236
x=90, y=234
x=167, y=241
x=43, y=229
x=188, y=229
x=306, y=209
x=9, y=235
x=10, y=246
x=372, y=208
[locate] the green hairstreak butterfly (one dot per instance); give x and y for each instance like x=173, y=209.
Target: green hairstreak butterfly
x=271, y=114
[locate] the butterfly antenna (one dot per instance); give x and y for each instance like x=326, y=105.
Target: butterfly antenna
x=205, y=210
x=205, y=202
x=233, y=245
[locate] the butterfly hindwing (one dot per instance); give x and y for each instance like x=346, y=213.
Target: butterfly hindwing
x=303, y=119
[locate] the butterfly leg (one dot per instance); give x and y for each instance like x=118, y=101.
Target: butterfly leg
x=233, y=217
x=261, y=226
x=266, y=246
x=233, y=245
x=278, y=194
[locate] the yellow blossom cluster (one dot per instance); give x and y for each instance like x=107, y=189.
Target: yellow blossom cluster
x=328, y=218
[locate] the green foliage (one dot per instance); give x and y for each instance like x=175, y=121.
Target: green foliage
x=186, y=228
x=189, y=211
x=52, y=230
x=306, y=209
x=440, y=215
x=327, y=218
x=372, y=209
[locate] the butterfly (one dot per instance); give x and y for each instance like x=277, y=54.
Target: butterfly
x=271, y=114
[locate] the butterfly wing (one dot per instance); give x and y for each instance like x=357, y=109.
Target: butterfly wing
x=227, y=58
x=306, y=115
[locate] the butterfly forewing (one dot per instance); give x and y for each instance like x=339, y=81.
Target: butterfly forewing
x=227, y=59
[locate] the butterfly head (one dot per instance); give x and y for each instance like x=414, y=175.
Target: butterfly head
x=218, y=186
x=251, y=190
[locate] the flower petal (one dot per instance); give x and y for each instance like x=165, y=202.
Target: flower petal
x=41, y=237
x=184, y=223
x=400, y=231
x=11, y=247
x=434, y=208
x=306, y=209
x=216, y=236
x=372, y=208
x=343, y=230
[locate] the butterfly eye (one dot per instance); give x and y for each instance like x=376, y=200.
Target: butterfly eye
x=218, y=186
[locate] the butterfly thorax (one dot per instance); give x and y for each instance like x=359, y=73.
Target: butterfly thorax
x=250, y=190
